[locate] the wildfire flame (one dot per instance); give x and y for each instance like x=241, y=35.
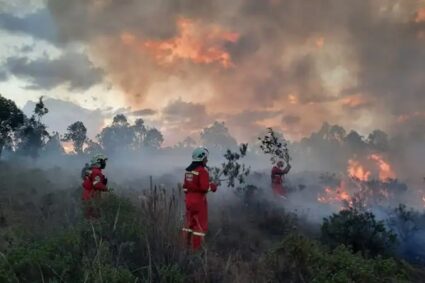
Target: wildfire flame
x=68, y=147
x=200, y=43
x=320, y=42
x=420, y=16
x=385, y=170
x=356, y=170
x=335, y=195
x=360, y=187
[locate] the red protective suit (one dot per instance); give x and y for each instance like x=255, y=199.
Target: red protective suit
x=93, y=184
x=277, y=180
x=196, y=186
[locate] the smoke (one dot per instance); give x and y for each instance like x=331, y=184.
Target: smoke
x=337, y=61
x=290, y=64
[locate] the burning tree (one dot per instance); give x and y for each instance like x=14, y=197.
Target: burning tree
x=232, y=170
x=275, y=146
x=362, y=187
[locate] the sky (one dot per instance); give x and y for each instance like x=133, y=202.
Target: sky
x=183, y=64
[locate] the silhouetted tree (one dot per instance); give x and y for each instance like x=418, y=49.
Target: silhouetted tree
x=119, y=135
x=123, y=136
x=140, y=131
x=32, y=136
x=92, y=148
x=218, y=135
x=77, y=134
x=11, y=118
x=53, y=145
x=378, y=140
x=188, y=142
x=153, y=139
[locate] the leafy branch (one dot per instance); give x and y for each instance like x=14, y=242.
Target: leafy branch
x=275, y=146
x=232, y=171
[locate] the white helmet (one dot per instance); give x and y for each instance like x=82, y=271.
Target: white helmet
x=199, y=154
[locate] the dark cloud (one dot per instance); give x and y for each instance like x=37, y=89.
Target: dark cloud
x=26, y=48
x=186, y=114
x=3, y=76
x=39, y=24
x=291, y=120
x=72, y=69
x=142, y=112
x=283, y=52
x=248, y=124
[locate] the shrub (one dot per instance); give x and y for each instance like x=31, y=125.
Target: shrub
x=358, y=231
x=298, y=259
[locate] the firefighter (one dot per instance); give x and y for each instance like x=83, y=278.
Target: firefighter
x=94, y=183
x=277, y=178
x=196, y=186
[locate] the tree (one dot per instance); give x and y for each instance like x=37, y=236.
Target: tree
x=53, y=145
x=378, y=140
x=11, y=118
x=188, y=142
x=92, y=148
x=140, y=132
x=77, y=133
x=40, y=109
x=153, y=139
x=32, y=136
x=358, y=230
x=119, y=135
x=218, y=135
x=355, y=143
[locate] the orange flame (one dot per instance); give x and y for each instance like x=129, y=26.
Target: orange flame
x=356, y=170
x=335, y=195
x=320, y=42
x=354, y=101
x=200, y=43
x=385, y=170
x=420, y=15
x=68, y=147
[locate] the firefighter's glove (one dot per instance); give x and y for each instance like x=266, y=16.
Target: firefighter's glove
x=105, y=181
x=213, y=187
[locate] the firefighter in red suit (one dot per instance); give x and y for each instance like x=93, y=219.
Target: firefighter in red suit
x=94, y=183
x=277, y=178
x=196, y=186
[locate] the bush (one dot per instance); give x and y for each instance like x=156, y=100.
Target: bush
x=358, y=231
x=298, y=259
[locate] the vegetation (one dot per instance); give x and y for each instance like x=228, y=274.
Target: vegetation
x=359, y=231
x=44, y=238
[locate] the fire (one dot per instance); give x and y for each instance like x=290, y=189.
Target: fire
x=68, y=147
x=293, y=99
x=385, y=170
x=195, y=41
x=354, y=101
x=356, y=170
x=335, y=195
x=420, y=16
x=320, y=42
x=406, y=117
x=359, y=188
